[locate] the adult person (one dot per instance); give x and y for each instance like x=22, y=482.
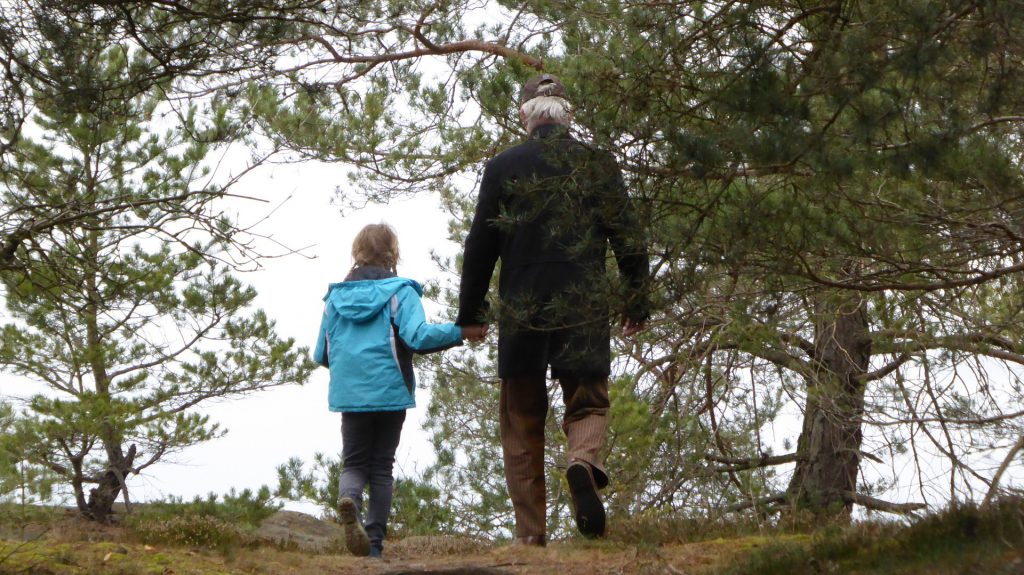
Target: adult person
x=548, y=208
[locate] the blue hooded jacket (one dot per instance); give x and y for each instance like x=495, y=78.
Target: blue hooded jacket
x=369, y=330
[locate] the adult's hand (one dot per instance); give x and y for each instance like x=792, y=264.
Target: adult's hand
x=474, y=333
x=632, y=327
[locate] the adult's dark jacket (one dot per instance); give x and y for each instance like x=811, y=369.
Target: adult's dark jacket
x=549, y=208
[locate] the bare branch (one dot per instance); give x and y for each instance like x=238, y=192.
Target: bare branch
x=429, y=49
x=1010, y=455
x=742, y=464
x=885, y=370
x=875, y=504
x=757, y=503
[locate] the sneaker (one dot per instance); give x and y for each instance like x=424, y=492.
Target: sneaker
x=376, y=552
x=356, y=540
x=589, y=508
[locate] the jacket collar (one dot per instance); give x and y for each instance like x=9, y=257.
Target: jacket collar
x=545, y=131
x=369, y=273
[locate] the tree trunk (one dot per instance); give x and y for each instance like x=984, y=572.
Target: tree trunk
x=831, y=436
x=111, y=482
x=106, y=492
x=103, y=496
x=77, y=482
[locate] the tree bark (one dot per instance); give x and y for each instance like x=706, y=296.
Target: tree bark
x=112, y=483
x=831, y=436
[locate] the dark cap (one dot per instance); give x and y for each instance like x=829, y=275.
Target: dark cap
x=542, y=85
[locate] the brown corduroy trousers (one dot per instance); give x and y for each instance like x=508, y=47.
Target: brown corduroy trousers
x=524, y=408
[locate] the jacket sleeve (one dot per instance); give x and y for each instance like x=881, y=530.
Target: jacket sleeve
x=320, y=352
x=481, y=251
x=413, y=329
x=628, y=241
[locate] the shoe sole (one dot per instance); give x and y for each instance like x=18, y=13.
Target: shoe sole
x=590, y=516
x=356, y=540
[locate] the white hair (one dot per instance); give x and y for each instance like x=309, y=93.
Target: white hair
x=546, y=110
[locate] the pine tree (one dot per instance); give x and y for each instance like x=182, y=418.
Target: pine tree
x=133, y=318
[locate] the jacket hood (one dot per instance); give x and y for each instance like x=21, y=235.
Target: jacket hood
x=363, y=299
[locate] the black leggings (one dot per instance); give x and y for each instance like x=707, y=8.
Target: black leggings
x=369, y=441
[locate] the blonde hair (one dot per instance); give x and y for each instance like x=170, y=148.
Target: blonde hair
x=375, y=245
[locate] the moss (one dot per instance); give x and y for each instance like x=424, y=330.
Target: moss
x=106, y=558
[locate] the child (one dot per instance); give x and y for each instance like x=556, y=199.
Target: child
x=372, y=323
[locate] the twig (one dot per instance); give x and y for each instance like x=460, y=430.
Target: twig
x=994, y=487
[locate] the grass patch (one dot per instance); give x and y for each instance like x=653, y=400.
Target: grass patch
x=189, y=530
x=959, y=539
x=208, y=523
x=656, y=530
x=26, y=521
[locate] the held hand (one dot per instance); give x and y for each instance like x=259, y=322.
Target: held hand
x=631, y=327
x=474, y=333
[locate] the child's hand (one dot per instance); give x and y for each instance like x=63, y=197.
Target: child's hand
x=474, y=333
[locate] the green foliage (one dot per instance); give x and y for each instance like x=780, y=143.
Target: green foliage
x=463, y=426
x=244, y=509
x=421, y=507
x=22, y=483
x=9, y=475
x=319, y=484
